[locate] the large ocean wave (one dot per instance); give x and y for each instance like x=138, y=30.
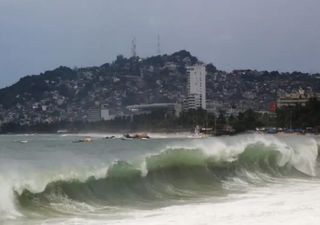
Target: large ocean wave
x=201, y=169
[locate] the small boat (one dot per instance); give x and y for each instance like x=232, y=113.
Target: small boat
x=84, y=140
x=139, y=136
x=111, y=137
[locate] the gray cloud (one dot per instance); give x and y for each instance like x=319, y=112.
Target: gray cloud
x=37, y=35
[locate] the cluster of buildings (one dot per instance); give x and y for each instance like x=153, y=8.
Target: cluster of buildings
x=195, y=98
x=174, y=83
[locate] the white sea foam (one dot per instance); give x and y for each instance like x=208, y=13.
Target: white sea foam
x=292, y=203
x=8, y=208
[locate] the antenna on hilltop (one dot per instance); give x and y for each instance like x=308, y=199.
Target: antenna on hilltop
x=158, y=45
x=134, y=47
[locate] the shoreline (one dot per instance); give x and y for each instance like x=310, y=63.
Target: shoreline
x=155, y=134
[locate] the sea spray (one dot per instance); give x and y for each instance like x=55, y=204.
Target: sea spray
x=8, y=208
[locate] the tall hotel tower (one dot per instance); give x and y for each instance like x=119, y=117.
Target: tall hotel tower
x=196, y=87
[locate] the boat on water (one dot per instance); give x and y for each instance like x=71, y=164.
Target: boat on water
x=110, y=137
x=84, y=140
x=139, y=136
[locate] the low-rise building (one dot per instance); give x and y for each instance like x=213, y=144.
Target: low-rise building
x=105, y=113
x=173, y=108
x=293, y=99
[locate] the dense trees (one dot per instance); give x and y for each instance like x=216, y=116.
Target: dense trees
x=300, y=116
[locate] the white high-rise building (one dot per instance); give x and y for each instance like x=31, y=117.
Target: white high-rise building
x=196, y=87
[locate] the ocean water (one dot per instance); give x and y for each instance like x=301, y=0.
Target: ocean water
x=169, y=179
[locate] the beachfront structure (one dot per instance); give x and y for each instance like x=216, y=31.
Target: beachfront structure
x=293, y=99
x=196, y=86
x=172, y=108
x=105, y=113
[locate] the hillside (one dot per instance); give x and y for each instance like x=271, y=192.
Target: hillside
x=67, y=94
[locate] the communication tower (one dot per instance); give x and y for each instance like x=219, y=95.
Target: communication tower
x=158, y=45
x=134, y=47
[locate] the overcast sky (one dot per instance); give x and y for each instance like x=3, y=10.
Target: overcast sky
x=39, y=35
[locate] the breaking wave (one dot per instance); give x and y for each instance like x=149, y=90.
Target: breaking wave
x=205, y=168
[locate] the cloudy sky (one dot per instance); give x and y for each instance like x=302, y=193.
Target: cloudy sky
x=39, y=35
